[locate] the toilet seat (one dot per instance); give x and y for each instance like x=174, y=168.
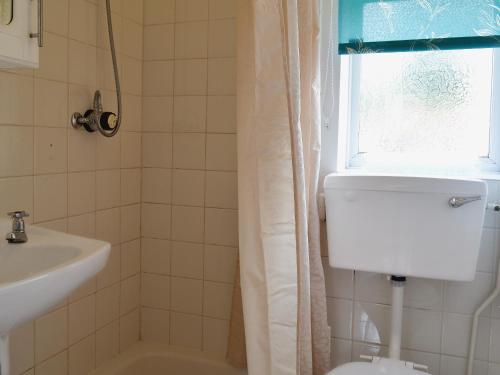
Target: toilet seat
x=379, y=366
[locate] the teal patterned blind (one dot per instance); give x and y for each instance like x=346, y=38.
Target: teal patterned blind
x=368, y=26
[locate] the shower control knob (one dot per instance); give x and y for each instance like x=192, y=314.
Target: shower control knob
x=108, y=121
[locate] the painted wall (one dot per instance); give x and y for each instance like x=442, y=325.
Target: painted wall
x=78, y=182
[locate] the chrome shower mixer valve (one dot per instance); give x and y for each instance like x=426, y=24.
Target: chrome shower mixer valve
x=95, y=119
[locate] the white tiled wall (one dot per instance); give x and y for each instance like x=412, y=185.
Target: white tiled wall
x=77, y=182
x=437, y=318
x=189, y=209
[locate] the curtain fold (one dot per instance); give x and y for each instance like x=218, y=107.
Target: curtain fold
x=282, y=281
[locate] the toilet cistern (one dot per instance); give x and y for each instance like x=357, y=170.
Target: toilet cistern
x=424, y=227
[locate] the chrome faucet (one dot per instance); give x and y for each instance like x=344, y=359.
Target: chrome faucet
x=18, y=234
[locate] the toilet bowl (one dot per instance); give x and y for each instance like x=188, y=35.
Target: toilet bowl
x=379, y=366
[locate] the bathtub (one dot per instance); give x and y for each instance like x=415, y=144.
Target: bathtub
x=157, y=359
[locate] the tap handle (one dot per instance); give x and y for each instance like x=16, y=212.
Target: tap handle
x=18, y=214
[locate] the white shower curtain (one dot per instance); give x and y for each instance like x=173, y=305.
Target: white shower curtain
x=282, y=279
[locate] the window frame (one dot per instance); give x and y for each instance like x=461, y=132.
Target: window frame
x=349, y=157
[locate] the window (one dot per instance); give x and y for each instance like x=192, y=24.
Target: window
x=425, y=110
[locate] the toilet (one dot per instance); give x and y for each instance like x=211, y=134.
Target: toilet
x=425, y=227
x=379, y=366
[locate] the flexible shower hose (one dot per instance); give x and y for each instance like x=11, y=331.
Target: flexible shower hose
x=115, y=70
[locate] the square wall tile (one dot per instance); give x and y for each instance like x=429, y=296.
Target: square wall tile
x=81, y=319
x=108, y=225
x=215, y=335
x=130, y=258
x=190, y=114
x=81, y=151
x=157, y=150
x=57, y=365
x=54, y=12
x=222, y=9
x=16, y=140
x=107, y=305
x=130, y=294
x=189, y=151
x=53, y=58
x=221, y=114
x=191, y=10
x=190, y=77
x=82, y=225
x=221, y=189
x=221, y=227
x=157, y=113
x=187, y=223
x=108, y=151
x=51, y=334
x=132, y=75
x=134, y=10
x=22, y=348
x=155, y=256
x=191, y=40
x=107, y=342
x=221, y=76
x=129, y=329
x=159, y=11
x=82, y=356
x=186, y=295
x=155, y=325
x=340, y=317
x=187, y=260
x=220, y=263
x=130, y=186
x=158, y=78
x=186, y=330
x=159, y=42
x=222, y=42
x=51, y=197
x=464, y=297
x=51, y=150
x=221, y=152
x=108, y=189
x=132, y=34
x=217, y=298
x=155, y=291
x=132, y=112
x=130, y=221
x=131, y=150
x=82, y=21
x=188, y=187
x=82, y=64
x=456, y=336
x=17, y=194
x=156, y=185
x=156, y=220
x=51, y=103
x=16, y=91
x=81, y=192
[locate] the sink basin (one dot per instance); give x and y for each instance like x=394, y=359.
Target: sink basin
x=36, y=275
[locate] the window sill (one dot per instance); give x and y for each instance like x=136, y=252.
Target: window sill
x=480, y=175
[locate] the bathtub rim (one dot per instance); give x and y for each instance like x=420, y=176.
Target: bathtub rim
x=144, y=349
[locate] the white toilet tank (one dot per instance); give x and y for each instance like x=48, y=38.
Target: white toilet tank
x=405, y=226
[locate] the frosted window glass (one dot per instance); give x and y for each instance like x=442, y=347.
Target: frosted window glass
x=425, y=104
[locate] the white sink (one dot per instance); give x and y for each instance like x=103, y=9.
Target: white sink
x=36, y=275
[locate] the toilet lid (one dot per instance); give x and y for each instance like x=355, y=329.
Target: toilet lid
x=381, y=367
